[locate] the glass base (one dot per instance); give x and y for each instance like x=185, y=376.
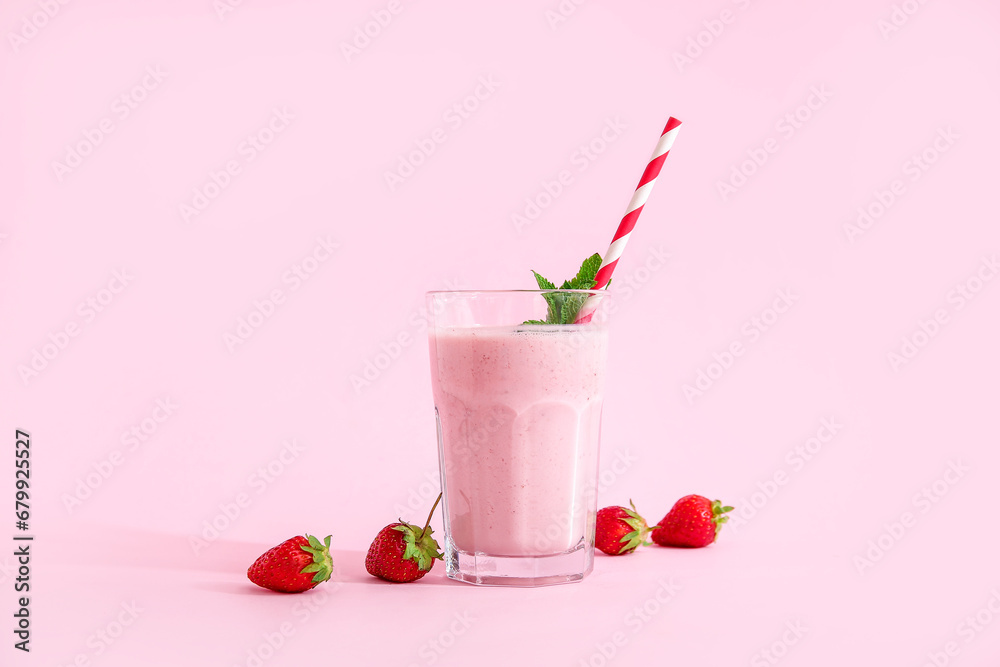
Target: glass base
x=486, y=570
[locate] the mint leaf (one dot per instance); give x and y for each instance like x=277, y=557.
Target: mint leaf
x=551, y=299
x=543, y=283
x=571, y=307
x=563, y=308
x=588, y=271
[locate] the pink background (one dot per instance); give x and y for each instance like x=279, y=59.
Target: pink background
x=879, y=548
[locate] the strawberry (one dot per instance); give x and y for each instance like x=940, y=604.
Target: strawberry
x=402, y=552
x=620, y=530
x=693, y=521
x=295, y=565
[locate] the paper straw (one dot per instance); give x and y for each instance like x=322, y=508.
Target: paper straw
x=627, y=224
x=639, y=198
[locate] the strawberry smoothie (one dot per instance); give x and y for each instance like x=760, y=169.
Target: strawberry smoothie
x=519, y=414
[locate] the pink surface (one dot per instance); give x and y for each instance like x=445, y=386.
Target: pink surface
x=220, y=285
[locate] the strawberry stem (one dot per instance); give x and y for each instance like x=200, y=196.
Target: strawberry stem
x=429, y=517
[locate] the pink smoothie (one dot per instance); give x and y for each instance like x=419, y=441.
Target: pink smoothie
x=519, y=412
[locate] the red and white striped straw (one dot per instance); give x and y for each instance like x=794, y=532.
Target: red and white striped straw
x=638, y=201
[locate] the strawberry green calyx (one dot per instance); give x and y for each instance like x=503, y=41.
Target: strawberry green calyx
x=420, y=546
x=719, y=514
x=322, y=564
x=640, y=529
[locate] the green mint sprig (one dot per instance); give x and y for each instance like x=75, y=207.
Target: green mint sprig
x=563, y=308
